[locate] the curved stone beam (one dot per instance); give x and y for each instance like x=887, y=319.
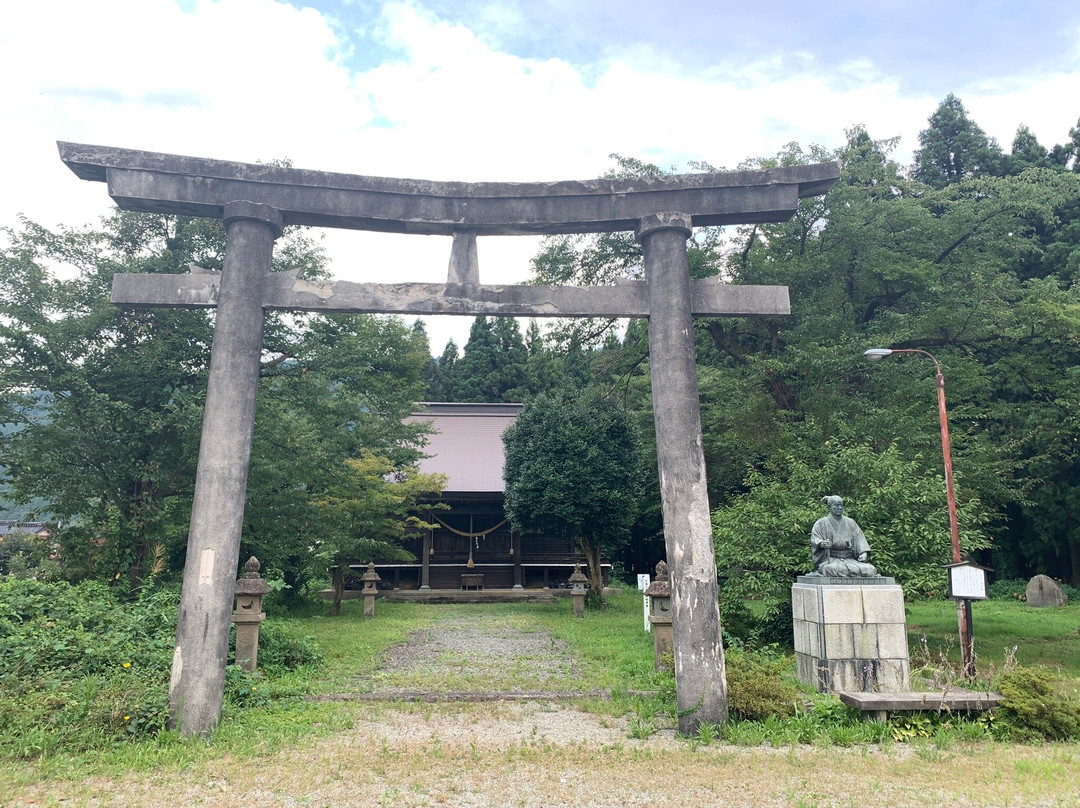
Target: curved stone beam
x=192, y=186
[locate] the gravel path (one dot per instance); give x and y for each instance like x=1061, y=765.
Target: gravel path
x=476, y=657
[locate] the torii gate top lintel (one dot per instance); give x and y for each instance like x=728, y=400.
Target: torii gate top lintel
x=192, y=186
x=169, y=183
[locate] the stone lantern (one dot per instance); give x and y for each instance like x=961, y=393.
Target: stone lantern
x=370, y=579
x=579, y=585
x=248, y=613
x=659, y=593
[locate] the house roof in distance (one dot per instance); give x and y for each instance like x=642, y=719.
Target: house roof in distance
x=466, y=445
x=10, y=527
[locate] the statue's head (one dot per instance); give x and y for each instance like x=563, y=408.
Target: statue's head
x=835, y=504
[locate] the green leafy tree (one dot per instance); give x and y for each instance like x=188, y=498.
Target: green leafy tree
x=102, y=407
x=763, y=537
x=976, y=270
x=102, y=401
x=1027, y=152
x=571, y=470
x=346, y=388
x=1067, y=155
x=442, y=375
x=370, y=511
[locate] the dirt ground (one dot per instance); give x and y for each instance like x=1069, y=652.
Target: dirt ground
x=537, y=754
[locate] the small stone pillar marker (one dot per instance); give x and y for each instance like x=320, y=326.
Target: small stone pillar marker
x=659, y=593
x=579, y=583
x=248, y=613
x=370, y=579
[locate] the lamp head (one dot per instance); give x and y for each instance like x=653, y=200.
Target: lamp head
x=877, y=354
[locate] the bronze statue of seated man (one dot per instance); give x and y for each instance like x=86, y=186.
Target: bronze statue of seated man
x=839, y=548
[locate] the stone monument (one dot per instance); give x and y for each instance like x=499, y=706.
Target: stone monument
x=579, y=585
x=371, y=589
x=248, y=614
x=850, y=628
x=1042, y=590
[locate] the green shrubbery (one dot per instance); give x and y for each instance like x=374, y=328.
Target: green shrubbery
x=1008, y=589
x=1016, y=589
x=1038, y=705
x=79, y=669
x=759, y=685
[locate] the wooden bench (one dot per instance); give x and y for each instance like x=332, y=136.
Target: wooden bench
x=474, y=580
x=879, y=705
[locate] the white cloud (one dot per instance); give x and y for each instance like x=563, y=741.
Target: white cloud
x=258, y=79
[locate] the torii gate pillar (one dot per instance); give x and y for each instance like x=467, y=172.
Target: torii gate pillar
x=699, y=659
x=202, y=645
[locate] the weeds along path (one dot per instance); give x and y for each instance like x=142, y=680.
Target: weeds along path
x=475, y=657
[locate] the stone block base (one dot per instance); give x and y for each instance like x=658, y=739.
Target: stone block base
x=850, y=636
x=662, y=641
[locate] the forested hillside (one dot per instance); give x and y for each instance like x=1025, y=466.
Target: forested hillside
x=971, y=253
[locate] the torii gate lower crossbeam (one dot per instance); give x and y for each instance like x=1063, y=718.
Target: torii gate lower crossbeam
x=256, y=201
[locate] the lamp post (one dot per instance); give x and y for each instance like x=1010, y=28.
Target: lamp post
x=963, y=607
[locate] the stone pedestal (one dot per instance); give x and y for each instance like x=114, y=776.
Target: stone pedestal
x=248, y=614
x=850, y=634
x=370, y=590
x=659, y=594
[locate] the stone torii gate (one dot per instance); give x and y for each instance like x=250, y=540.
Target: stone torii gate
x=256, y=201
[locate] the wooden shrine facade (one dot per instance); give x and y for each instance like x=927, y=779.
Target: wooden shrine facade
x=474, y=545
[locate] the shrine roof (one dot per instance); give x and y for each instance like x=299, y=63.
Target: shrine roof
x=466, y=444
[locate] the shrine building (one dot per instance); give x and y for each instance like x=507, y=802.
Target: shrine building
x=473, y=546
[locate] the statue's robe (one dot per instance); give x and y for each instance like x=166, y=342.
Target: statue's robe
x=848, y=543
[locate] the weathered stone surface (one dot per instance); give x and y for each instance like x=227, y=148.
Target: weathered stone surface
x=839, y=642
x=1043, y=590
x=883, y=605
x=856, y=639
x=281, y=290
x=196, y=688
x=841, y=604
x=952, y=700
x=892, y=640
x=700, y=685
x=192, y=186
x=801, y=634
x=865, y=637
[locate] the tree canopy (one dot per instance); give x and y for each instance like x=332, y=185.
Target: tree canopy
x=571, y=471
x=972, y=253
x=102, y=406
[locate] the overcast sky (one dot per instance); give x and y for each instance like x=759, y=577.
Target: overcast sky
x=529, y=90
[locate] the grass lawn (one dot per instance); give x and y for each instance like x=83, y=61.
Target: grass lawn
x=286, y=748
x=614, y=651
x=1046, y=636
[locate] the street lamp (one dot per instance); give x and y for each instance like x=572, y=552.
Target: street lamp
x=963, y=608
